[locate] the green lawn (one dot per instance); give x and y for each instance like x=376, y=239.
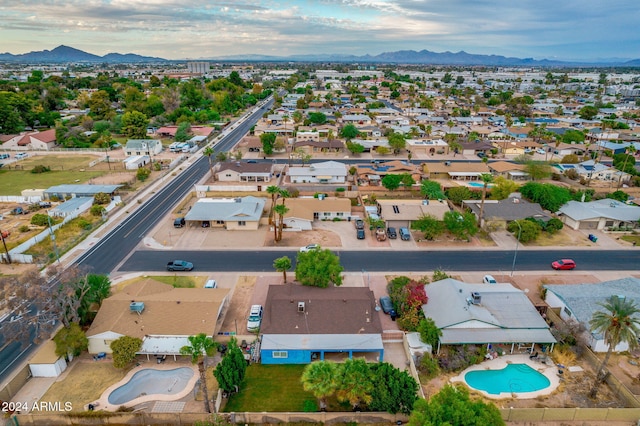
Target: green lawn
x=178, y=281
x=64, y=170
x=271, y=388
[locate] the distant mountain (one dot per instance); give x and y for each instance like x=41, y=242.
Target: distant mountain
x=66, y=54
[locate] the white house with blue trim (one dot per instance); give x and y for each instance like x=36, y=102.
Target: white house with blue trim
x=302, y=324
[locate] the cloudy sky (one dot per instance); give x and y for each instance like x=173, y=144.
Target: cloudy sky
x=183, y=29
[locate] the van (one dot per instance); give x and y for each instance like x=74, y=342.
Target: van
x=405, y=234
x=179, y=222
x=255, y=318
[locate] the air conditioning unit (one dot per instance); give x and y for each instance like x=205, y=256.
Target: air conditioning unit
x=136, y=307
x=300, y=306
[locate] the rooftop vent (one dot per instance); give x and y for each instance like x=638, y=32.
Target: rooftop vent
x=300, y=306
x=136, y=307
x=476, y=298
x=447, y=163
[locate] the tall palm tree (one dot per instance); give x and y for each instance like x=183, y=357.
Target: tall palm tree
x=629, y=152
x=487, y=178
x=282, y=264
x=320, y=378
x=200, y=346
x=619, y=322
x=280, y=210
x=208, y=151
x=274, y=191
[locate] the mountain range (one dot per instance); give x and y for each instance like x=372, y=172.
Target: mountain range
x=66, y=54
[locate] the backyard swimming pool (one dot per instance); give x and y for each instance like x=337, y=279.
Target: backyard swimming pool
x=514, y=378
x=152, y=382
x=478, y=184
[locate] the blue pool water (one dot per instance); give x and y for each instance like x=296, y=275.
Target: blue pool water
x=152, y=382
x=513, y=378
x=479, y=185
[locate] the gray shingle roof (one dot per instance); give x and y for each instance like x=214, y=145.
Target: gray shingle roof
x=606, y=208
x=247, y=209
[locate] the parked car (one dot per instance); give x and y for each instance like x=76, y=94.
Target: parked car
x=18, y=210
x=405, y=235
x=488, y=279
x=541, y=151
x=251, y=161
x=381, y=235
x=255, y=318
x=4, y=156
x=309, y=247
x=179, y=222
x=359, y=224
x=481, y=154
x=563, y=264
x=179, y=265
x=391, y=233
x=211, y=284
x=21, y=155
x=387, y=306
x=360, y=234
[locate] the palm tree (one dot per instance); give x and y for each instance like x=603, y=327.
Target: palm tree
x=274, y=191
x=320, y=379
x=486, y=179
x=199, y=347
x=282, y=264
x=208, y=151
x=629, y=152
x=281, y=210
x=619, y=323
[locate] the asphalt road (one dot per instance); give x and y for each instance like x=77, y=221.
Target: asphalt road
x=393, y=261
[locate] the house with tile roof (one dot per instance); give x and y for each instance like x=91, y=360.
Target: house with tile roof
x=240, y=214
x=470, y=171
x=323, y=172
x=485, y=314
x=500, y=213
x=506, y=169
x=599, y=214
x=301, y=324
x=241, y=171
x=159, y=314
x=401, y=213
x=373, y=173
x=303, y=211
x=44, y=140
x=578, y=303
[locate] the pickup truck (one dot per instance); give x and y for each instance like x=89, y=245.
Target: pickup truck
x=179, y=265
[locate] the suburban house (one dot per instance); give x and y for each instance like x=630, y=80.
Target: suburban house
x=471, y=171
x=237, y=171
x=148, y=147
x=485, y=314
x=427, y=146
x=44, y=140
x=315, y=147
x=473, y=148
x=599, y=214
x=372, y=174
x=508, y=170
x=80, y=190
x=159, y=314
x=509, y=147
x=240, y=214
x=578, y=303
x=596, y=171
x=500, y=212
x=401, y=213
x=302, y=324
x=324, y=172
x=303, y=211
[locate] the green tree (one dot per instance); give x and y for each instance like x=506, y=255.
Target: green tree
x=393, y=390
x=619, y=322
x=530, y=230
x=231, y=370
x=429, y=332
x=101, y=198
x=429, y=225
x=432, y=190
x=354, y=147
x=349, y=132
x=282, y=264
x=458, y=194
x=273, y=191
x=538, y=170
x=487, y=178
x=588, y=112
x=453, y=406
x=134, y=125
x=397, y=142
x=70, y=341
x=100, y=105
x=503, y=187
x=317, y=118
x=355, y=385
x=462, y=225
x=549, y=196
x=182, y=132
x=319, y=268
x=268, y=140
x=208, y=152
x=321, y=379
x=143, y=174
x=200, y=346
x=124, y=350
x=391, y=182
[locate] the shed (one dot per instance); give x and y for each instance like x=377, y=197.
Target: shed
x=45, y=363
x=135, y=162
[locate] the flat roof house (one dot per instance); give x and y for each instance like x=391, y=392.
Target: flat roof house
x=229, y=213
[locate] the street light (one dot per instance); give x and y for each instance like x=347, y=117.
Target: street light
x=513, y=267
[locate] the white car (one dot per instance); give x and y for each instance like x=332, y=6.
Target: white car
x=310, y=247
x=541, y=151
x=488, y=279
x=21, y=155
x=255, y=318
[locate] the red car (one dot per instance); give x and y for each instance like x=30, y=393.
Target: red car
x=563, y=264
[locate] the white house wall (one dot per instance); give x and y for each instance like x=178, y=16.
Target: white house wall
x=100, y=342
x=164, y=344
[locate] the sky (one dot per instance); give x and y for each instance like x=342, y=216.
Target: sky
x=183, y=29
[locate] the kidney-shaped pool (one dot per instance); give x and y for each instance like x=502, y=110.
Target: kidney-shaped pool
x=152, y=382
x=514, y=378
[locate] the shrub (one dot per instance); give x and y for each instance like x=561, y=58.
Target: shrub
x=40, y=169
x=428, y=366
x=439, y=275
x=341, y=189
x=101, y=198
x=553, y=225
x=40, y=219
x=143, y=174
x=84, y=224
x=97, y=210
x=24, y=228
x=457, y=358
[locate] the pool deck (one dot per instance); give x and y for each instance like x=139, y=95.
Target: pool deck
x=549, y=370
x=103, y=402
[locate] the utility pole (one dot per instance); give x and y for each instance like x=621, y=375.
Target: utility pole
x=5, y=247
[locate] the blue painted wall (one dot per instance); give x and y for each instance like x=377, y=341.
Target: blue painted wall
x=294, y=357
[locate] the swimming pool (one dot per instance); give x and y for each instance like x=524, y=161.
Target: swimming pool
x=514, y=378
x=478, y=185
x=152, y=382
